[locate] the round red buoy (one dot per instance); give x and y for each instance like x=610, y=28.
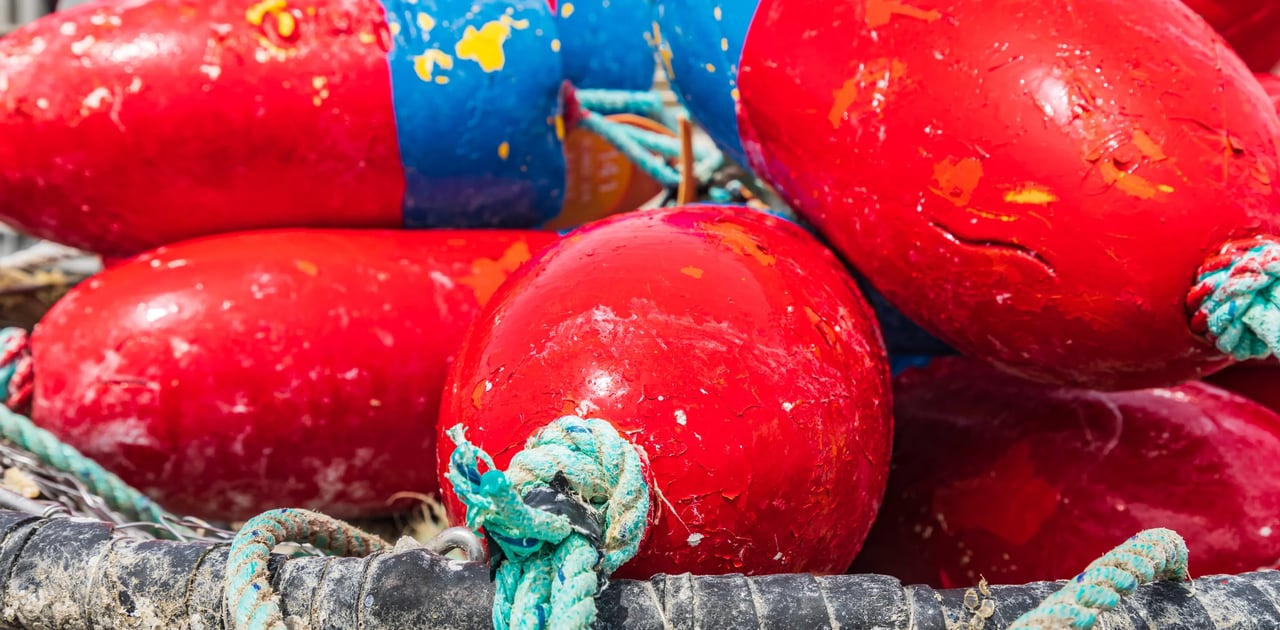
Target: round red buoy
x=731, y=348
x=129, y=125
x=1252, y=27
x=303, y=368
x=1016, y=481
x=1039, y=186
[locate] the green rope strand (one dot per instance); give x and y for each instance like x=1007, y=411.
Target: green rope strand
x=250, y=598
x=553, y=560
x=1154, y=554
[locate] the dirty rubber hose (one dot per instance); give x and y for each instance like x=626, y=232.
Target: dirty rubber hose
x=70, y=574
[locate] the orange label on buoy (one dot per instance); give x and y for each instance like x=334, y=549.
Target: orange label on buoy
x=601, y=181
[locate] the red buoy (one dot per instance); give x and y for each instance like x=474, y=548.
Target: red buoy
x=1252, y=27
x=1258, y=381
x=1271, y=83
x=129, y=125
x=299, y=368
x=731, y=348
x=1016, y=481
x=1039, y=186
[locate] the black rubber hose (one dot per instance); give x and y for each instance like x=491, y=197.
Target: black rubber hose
x=74, y=574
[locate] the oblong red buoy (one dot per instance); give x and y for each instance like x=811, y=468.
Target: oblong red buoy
x=295, y=368
x=1252, y=27
x=1017, y=482
x=1040, y=186
x=728, y=346
x=124, y=126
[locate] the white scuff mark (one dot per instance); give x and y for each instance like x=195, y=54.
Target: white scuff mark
x=82, y=45
x=42, y=103
x=681, y=418
x=213, y=71
x=179, y=346
x=67, y=28
x=788, y=406
x=694, y=539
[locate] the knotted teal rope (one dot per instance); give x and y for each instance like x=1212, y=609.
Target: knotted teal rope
x=552, y=570
x=250, y=598
x=1238, y=299
x=607, y=102
x=1154, y=554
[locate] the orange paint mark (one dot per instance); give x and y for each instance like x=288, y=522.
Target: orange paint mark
x=1147, y=146
x=880, y=12
x=692, y=272
x=477, y=394
x=870, y=89
x=1132, y=184
x=741, y=242
x=307, y=267
x=1009, y=500
x=955, y=180
x=488, y=274
x=1030, y=194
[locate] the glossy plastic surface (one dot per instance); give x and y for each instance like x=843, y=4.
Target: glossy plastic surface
x=301, y=368
x=1017, y=482
x=731, y=348
x=1036, y=185
x=699, y=43
x=127, y=125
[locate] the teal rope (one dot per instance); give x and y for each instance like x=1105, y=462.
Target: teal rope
x=54, y=453
x=1154, y=554
x=607, y=102
x=552, y=570
x=250, y=598
x=1239, y=302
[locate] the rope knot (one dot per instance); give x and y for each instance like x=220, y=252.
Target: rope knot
x=17, y=375
x=570, y=509
x=1235, y=301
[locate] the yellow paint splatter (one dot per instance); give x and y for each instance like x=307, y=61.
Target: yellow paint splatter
x=318, y=82
x=559, y=127
x=488, y=274
x=734, y=93
x=426, y=22
x=477, y=394
x=441, y=80
x=692, y=272
x=366, y=37
x=724, y=43
x=394, y=27
x=566, y=9
x=504, y=150
x=555, y=45
x=1132, y=184
x=426, y=62
x=869, y=89
x=664, y=52
x=711, y=68
x=1147, y=146
x=307, y=267
x=741, y=242
x=286, y=24
x=955, y=180
x=1030, y=194
x=879, y=12
x=716, y=12
x=484, y=46
x=258, y=12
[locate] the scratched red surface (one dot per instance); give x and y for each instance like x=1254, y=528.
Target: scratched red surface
x=238, y=373
x=111, y=93
x=1035, y=185
x=1017, y=482
x=731, y=348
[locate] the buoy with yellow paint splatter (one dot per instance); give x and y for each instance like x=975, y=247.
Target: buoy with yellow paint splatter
x=604, y=43
x=125, y=126
x=1067, y=218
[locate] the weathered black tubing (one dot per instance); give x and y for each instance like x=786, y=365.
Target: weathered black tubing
x=71, y=573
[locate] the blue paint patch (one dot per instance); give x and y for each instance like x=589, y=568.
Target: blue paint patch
x=604, y=43
x=702, y=40
x=475, y=87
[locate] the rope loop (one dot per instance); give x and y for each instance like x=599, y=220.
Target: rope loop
x=1154, y=554
x=252, y=601
x=1235, y=301
x=570, y=509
